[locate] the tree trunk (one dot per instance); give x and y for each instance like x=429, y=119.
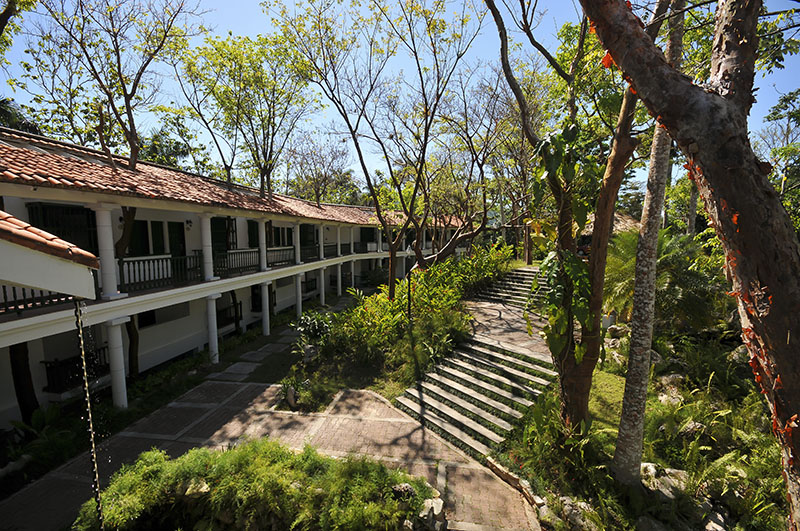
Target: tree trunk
x=391, y=281
x=762, y=251
x=691, y=217
x=628, y=452
x=23, y=382
x=621, y=151
x=132, y=327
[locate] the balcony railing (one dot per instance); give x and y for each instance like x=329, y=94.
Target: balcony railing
x=359, y=247
x=227, y=316
x=280, y=257
x=309, y=253
x=330, y=250
x=16, y=299
x=345, y=247
x=63, y=375
x=156, y=272
x=236, y=262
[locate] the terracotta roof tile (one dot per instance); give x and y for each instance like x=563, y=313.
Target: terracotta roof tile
x=25, y=158
x=17, y=231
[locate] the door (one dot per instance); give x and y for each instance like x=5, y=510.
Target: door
x=177, y=249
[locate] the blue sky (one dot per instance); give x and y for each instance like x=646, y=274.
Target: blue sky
x=247, y=17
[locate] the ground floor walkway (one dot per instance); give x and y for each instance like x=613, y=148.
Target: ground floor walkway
x=230, y=406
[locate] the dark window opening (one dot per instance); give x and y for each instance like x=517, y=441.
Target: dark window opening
x=157, y=231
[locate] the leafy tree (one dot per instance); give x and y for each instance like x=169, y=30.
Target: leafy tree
x=8, y=25
x=320, y=171
x=11, y=115
x=761, y=247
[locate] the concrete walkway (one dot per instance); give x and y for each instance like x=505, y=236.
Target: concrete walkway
x=225, y=409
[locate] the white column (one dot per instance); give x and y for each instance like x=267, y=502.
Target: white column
x=322, y=286
x=338, y=240
x=296, y=236
x=298, y=294
x=213, y=332
x=105, y=247
x=353, y=240
x=208, y=256
x=353, y=274
x=265, y=308
x=116, y=361
x=321, y=242
x=339, y=280
x=380, y=239
x=262, y=244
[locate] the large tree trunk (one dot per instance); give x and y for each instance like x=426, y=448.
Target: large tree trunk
x=132, y=326
x=23, y=382
x=628, y=452
x=761, y=247
x=621, y=151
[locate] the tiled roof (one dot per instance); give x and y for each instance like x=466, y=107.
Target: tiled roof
x=21, y=233
x=37, y=161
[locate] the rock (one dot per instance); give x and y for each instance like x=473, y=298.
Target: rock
x=617, y=331
x=669, y=398
x=309, y=353
x=692, y=428
x=291, y=396
x=715, y=521
x=679, y=478
x=646, y=523
x=408, y=524
x=548, y=517
x=649, y=470
x=672, y=380
x=613, y=343
x=575, y=513
x=403, y=491
x=740, y=354
x=655, y=358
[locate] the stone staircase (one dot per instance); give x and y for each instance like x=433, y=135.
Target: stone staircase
x=514, y=288
x=474, y=397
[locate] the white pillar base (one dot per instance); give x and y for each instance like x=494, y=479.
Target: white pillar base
x=213, y=332
x=116, y=361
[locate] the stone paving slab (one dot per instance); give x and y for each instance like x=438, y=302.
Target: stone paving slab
x=363, y=404
x=255, y=356
x=274, y=348
x=286, y=340
x=256, y=396
x=242, y=367
x=168, y=421
x=227, y=376
x=210, y=393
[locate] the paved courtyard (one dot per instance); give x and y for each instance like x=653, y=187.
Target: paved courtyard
x=224, y=410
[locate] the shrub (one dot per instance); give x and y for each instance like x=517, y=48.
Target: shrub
x=257, y=485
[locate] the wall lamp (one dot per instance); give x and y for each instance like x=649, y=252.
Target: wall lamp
x=188, y=224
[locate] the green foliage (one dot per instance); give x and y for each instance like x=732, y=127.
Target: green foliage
x=256, y=485
x=313, y=327
x=689, y=283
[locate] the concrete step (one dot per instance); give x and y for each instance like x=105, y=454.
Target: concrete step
x=428, y=417
x=461, y=364
x=431, y=388
x=455, y=374
x=477, y=394
x=454, y=417
x=503, y=369
x=517, y=362
x=540, y=358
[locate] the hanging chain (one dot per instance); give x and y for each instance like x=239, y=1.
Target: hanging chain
x=93, y=449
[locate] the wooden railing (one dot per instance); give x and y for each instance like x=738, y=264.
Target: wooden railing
x=156, y=272
x=236, y=262
x=330, y=250
x=309, y=253
x=280, y=257
x=345, y=247
x=63, y=375
x=16, y=299
x=359, y=247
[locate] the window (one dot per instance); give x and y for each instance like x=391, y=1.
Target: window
x=282, y=237
x=367, y=234
x=71, y=223
x=252, y=233
x=157, y=233
x=140, y=242
x=223, y=234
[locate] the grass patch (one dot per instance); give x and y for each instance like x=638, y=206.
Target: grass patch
x=605, y=400
x=257, y=485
